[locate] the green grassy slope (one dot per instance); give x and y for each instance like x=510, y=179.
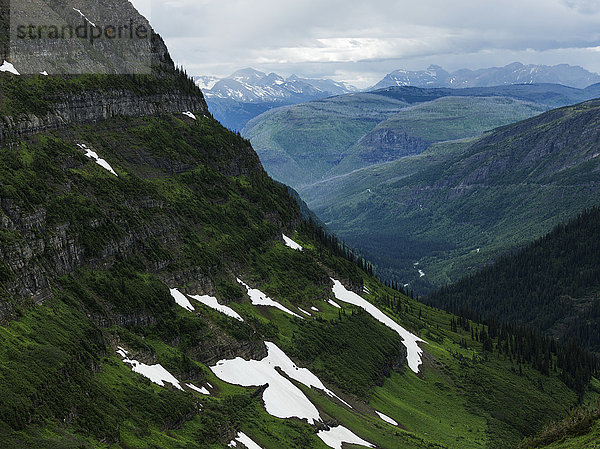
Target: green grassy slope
x=458, y=206
x=197, y=222
x=413, y=129
x=300, y=144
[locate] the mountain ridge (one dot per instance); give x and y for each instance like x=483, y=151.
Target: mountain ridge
x=514, y=73
x=236, y=99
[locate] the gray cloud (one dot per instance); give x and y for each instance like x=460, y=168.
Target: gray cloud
x=361, y=41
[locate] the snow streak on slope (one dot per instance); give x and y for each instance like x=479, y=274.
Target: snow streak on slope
x=302, y=375
x=189, y=114
x=258, y=298
x=245, y=440
x=212, y=302
x=84, y=17
x=410, y=340
x=93, y=155
x=156, y=373
x=304, y=311
x=386, y=418
x=336, y=436
x=333, y=303
x=289, y=242
x=201, y=390
x=181, y=299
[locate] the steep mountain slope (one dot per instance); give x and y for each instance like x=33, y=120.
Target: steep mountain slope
x=552, y=284
x=248, y=93
x=461, y=205
x=159, y=290
x=515, y=73
x=89, y=258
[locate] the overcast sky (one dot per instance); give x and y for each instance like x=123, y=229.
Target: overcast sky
x=360, y=41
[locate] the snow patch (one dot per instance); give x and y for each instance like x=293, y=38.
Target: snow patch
x=83, y=16
x=8, y=67
x=333, y=303
x=245, y=440
x=281, y=397
x=201, y=390
x=409, y=340
x=190, y=115
x=258, y=298
x=336, y=436
x=290, y=243
x=181, y=299
x=44, y=73
x=93, y=155
x=421, y=273
x=304, y=311
x=314, y=309
x=212, y=302
x=156, y=373
x=386, y=418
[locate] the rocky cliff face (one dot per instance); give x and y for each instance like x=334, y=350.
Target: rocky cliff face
x=67, y=98
x=87, y=36
x=94, y=106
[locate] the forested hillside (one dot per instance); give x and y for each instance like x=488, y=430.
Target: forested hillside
x=552, y=284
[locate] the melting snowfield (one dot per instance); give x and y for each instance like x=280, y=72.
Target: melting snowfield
x=201, y=390
x=258, y=298
x=333, y=303
x=410, y=340
x=181, y=299
x=304, y=311
x=8, y=67
x=156, y=373
x=212, y=302
x=93, y=155
x=290, y=243
x=245, y=440
x=336, y=436
x=189, y=114
x=386, y=418
x=282, y=398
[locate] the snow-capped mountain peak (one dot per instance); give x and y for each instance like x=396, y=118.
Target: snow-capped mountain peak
x=515, y=73
x=252, y=86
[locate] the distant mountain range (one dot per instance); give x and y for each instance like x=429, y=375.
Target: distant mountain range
x=515, y=73
x=251, y=86
x=248, y=92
